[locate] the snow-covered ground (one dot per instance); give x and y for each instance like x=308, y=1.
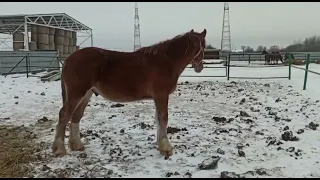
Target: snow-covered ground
x=243, y=126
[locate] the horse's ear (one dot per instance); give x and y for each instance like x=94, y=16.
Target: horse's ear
x=204, y=33
x=192, y=31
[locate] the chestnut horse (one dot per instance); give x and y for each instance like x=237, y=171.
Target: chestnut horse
x=148, y=73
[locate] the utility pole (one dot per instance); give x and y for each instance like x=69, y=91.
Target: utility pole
x=136, y=34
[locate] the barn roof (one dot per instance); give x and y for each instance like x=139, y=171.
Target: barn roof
x=13, y=23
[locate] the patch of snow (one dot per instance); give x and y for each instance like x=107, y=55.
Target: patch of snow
x=120, y=141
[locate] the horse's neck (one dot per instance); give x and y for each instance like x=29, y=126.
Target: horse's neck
x=182, y=63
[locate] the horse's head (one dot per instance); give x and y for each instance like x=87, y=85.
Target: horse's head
x=197, y=43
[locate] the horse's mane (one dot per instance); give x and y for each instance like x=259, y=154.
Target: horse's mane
x=161, y=46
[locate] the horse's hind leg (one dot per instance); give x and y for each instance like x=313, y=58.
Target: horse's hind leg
x=65, y=114
x=161, y=104
x=75, y=143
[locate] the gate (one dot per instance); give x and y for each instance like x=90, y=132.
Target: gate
x=252, y=60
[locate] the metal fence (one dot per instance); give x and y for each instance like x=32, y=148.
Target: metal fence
x=222, y=59
x=33, y=62
x=252, y=60
x=28, y=62
x=308, y=59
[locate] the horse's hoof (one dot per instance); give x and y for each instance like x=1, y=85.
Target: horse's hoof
x=165, y=148
x=76, y=146
x=58, y=149
x=60, y=153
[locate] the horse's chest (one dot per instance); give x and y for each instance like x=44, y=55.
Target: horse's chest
x=172, y=88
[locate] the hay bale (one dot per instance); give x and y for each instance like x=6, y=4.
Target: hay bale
x=295, y=62
x=34, y=29
x=58, y=40
x=60, y=32
x=17, y=45
x=65, y=49
x=59, y=48
x=70, y=49
x=52, y=46
x=43, y=46
x=66, y=41
x=43, y=30
x=43, y=38
x=18, y=41
x=71, y=42
x=32, y=46
x=51, y=38
x=52, y=31
x=68, y=34
x=298, y=62
x=34, y=37
x=74, y=41
x=74, y=34
x=18, y=37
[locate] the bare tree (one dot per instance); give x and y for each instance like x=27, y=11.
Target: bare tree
x=210, y=47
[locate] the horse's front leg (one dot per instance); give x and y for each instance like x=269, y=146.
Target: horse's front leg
x=161, y=104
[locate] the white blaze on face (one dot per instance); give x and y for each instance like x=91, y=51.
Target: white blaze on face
x=198, y=54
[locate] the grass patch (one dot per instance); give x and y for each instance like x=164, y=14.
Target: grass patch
x=17, y=151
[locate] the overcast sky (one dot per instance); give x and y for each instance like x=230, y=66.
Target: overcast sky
x=252, y=23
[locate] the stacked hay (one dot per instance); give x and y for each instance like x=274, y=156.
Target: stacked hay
x=59, y=41
x=74, y=41
x=34, y=38
x=34, y=33
x=32, y=46
x=66, y=43
x=43, y=38
x=18, y=41
x=51, y=39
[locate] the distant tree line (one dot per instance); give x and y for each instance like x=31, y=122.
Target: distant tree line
x=310, y=44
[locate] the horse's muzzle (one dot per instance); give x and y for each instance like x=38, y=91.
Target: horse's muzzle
x=198, y=67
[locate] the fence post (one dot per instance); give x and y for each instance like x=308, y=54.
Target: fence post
x=228, y=66
x=306, y=72
x=290, y=66
x=27, y=66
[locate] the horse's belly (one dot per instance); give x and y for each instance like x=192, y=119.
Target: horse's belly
x=121, y=95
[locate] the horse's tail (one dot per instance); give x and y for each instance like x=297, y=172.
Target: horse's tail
x=63, y=90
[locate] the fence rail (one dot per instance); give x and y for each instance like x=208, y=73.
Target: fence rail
x=306, y=70
x=29, y=64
